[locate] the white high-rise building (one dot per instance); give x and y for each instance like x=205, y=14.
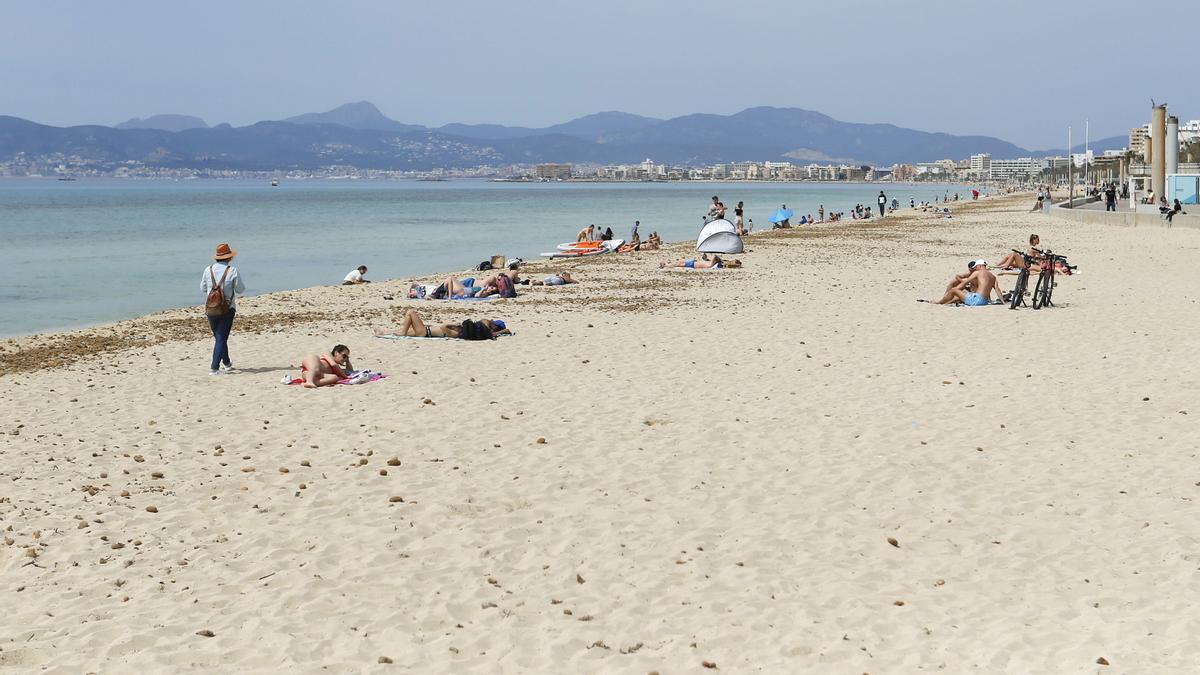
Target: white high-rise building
x=981, y=165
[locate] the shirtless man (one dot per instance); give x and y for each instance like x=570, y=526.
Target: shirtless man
x=973, y=288
x=586, y=234
x=324, y=371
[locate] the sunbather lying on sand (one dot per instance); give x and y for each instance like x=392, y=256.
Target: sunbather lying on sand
x=413, y=326
x=559, y=279
x=454, y=288
x=691, y=263
x=324, y=371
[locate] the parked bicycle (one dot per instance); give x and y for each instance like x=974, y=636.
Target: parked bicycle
x=1018, y=292
x=1044, y=289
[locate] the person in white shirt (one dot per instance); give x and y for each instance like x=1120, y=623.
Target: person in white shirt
x=356, y=276
x=222, y=273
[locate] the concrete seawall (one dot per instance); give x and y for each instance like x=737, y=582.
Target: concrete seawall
x=1097, y=217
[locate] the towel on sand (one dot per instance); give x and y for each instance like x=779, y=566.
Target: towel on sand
x=353, y=377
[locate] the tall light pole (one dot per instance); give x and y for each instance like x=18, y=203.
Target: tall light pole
x=1070, y=172
x=1085, y=155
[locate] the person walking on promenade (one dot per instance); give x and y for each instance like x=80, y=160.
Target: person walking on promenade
x=882, y=204
x=1110, y=197
x=220, y=283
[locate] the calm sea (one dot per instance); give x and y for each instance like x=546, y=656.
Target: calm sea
x=92, y=251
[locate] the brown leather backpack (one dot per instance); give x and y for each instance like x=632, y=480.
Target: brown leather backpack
x=216, y=304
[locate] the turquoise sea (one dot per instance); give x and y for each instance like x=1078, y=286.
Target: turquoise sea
x=97, y=250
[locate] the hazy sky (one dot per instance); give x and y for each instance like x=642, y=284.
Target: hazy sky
x=960, y=66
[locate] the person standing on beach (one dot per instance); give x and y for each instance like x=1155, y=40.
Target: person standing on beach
x=222, y=276
x=633, y=234
x=737, y=217
x=882, y=204
x=821, y=213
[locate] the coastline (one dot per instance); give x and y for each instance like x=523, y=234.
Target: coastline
x=790, y=467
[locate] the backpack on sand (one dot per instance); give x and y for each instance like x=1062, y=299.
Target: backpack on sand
x=216, y=304
x=504, y=285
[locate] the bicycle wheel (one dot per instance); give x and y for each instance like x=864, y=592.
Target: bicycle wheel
x=1018, y=292
x=1041, y=291
x=1049, y=290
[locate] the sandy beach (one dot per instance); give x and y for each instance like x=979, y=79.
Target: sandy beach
x=789, y=467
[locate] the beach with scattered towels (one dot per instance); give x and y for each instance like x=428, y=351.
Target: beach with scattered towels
x=789, y=466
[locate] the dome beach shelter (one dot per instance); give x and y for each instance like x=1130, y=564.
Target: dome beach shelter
x=719, y=236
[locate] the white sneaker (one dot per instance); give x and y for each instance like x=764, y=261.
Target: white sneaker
x=228, y=368
x=214, y=372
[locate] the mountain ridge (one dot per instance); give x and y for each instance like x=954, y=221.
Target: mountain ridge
x=358, y=134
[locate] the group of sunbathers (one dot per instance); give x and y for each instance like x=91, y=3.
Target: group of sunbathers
x=977, y=285
x=325, y=371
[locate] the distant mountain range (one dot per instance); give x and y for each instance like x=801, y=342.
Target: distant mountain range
x=358, y=134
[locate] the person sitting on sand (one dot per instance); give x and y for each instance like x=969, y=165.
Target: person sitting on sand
x=973, y=290
x=1015, y=261
x=324, y=371
x=586, y=233
x=559, y=279
x=692, y=264
x=413, y=326
x=355, y=277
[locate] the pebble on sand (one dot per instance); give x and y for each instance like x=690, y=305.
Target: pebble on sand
x=152, y=509
x=385, y=659
x=395, y=498
x=205, y=633
x=893, y=542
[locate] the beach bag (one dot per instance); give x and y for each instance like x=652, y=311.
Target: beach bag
x=505, y=285
x=216, y=304
x=483, y=266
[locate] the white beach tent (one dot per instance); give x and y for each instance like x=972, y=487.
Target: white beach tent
x=719, y=236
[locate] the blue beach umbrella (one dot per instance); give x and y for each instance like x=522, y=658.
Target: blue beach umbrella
x=780, y=216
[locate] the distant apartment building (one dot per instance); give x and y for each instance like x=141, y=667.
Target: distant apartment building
x=903, y=172
x=1138, y=136
x=1011, y=169
x=981, y=165
x=553, y=171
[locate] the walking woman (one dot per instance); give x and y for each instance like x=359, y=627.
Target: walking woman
x=220, y=284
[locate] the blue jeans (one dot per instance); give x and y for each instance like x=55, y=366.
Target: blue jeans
x=221, y=327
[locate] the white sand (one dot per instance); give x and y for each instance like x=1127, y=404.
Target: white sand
x=726, y=456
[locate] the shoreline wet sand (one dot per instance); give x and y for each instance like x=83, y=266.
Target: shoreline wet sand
x=792, y=466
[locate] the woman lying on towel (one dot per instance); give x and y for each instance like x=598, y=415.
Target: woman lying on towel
x=413, y=326
x=324, y=371
x=690, y=263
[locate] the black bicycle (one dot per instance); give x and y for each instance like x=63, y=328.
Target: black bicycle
x=1018, y=292
x=1044, y=289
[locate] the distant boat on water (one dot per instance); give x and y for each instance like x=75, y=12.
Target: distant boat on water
x=66, y=178
x=434, y=179
x=275, y=183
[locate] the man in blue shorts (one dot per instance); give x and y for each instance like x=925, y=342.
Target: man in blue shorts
x=974, y=288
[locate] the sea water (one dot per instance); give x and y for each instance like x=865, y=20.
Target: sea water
x=97, y=250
